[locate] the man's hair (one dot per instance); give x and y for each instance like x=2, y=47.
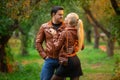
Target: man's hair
x=55, y=9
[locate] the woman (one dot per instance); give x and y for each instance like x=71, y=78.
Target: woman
x=69, y=43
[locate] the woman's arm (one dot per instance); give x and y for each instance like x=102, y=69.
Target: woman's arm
x=60, y=41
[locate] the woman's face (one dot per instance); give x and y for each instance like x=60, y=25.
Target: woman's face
x=66, y=21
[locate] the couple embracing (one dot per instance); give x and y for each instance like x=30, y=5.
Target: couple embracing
x=63, y=39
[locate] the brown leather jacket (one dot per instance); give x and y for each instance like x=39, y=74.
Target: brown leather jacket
x=45, y=35
x=67, y=42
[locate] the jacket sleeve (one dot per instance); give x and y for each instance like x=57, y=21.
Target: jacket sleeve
x=38, y=42
x=60, y=41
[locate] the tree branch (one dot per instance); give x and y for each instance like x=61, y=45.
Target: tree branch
x=87, y=11
x=115, y=6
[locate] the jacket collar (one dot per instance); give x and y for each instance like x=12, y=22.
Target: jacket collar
x=60, y=28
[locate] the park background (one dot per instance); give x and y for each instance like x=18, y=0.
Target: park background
x=20, y=21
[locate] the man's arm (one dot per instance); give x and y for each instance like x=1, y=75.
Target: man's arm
x=39, y=40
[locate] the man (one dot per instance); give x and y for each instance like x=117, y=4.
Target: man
x=46, y=33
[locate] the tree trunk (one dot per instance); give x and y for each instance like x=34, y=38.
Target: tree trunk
x=3, y=61
x=115, y=6
x=110, y=47
x=88, y=36
x=3, y=42
x=97, y=36
x=96, y=33
x=3, y=65
x=24, y=45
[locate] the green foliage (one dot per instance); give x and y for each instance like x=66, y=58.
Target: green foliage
x=33, y=55
x=5, y=21
x=11, y=11
x=9, y=56
x=115, y=27
x=28, y=72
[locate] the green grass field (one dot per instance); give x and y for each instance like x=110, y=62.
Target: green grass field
x=95, y=64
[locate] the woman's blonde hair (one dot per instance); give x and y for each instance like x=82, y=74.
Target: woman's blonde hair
x=80, y=32
x=72, y=19
x=75, y=21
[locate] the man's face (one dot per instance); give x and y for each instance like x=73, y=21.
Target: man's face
x=59, y=16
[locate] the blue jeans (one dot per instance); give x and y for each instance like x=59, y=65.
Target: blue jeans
x=48, y=68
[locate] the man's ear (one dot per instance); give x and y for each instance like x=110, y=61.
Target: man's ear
x=53, y=14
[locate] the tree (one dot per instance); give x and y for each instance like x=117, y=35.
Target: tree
x=88, y=8
x=12, y=13
x=7, y=26
x=116, y=20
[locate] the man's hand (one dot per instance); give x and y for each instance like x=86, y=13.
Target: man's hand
x=46, y=57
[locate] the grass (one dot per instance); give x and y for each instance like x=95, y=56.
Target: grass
x=27, y=72
x=95, y=64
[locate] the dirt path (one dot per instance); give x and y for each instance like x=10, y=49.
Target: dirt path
x=96, y=76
